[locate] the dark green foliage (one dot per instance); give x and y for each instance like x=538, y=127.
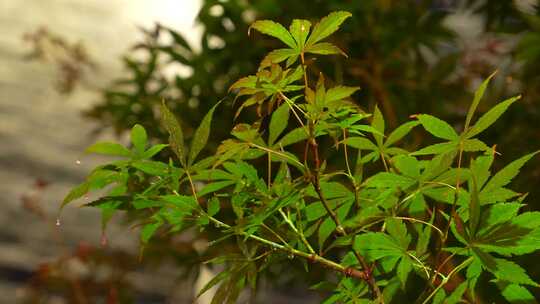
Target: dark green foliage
x=429, y=217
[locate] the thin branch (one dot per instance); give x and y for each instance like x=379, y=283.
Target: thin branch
x=293, y=227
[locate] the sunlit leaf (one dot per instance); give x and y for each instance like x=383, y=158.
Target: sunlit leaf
x=275, y=30
x=327, y=26
x=108, y=148
x=299, y=30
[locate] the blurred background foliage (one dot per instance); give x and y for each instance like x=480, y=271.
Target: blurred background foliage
x=412, y=56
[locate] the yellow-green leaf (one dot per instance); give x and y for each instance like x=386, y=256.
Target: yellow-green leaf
x=324, y=48
x=437, y=127
x=276, y=30
x=278, y=123
x=477, y=97
x=139, y=138
x=327, y=26
x=299, y=30
x=378, y=124
x=108, y=148
x=490, y=117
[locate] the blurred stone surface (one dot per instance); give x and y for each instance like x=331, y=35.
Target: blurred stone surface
x=42, y=133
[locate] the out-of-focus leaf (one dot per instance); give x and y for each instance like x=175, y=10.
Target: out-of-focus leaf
x=108, y=148
x=139, y=138
x=176, y=136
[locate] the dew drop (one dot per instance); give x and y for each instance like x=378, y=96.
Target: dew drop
x=78, y=162
x=104, y=240
x=58, y=222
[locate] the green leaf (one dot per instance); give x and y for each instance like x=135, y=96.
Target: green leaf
x=151, y=167
x=439, y=148
x=278, y=122
x=477, y=97
x=398, y=230
x=437, y=165
x=437, y=127
x=407, y=165
x=139, y=138
x=176, y=136
x=511, y=272
x=277, y=56
x=457, y=294
x=324, y=48
x=154, y=150
x=200, y=137
x=474, y=208
x=327, y=26
x=339, y=93
x=299, y=30
x=519, y=236
x=360, y=143
x=400, y=132
x=274, y=29
x=389, y=180
x=377, y=245
x=75, y=193
x=480, y=168
x=516, y=294
x=404, y=268
x=378, y=124
x=181, y=202
x=474, y=145
x=292, y=137
x=213, y=206
x=108, y=148
x=213, y=187
x=325, y=230
x=498, y=214
x=490, y=117
x=143, y=203
x=505, y=176
x=439, y=297
x=148, y=231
